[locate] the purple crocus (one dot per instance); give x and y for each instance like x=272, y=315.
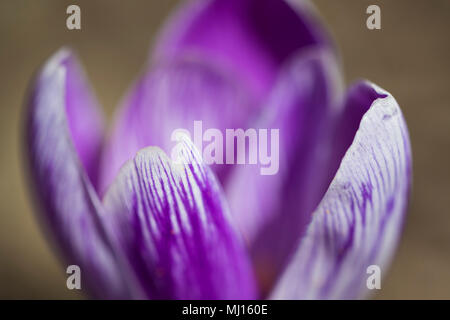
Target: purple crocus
x=141, y=226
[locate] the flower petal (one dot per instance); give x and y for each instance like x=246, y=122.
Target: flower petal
x=171, y=97
x=84, y=118
x=252, y=38
x=277, y=207
x=69, y=203
x=358, y=222
x=170, y=222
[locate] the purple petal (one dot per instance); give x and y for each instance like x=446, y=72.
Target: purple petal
x=358, y=222
x=252, y=38
x=68, y=201
x=170, y=222
x=172, y=97
x=276, y=208
x=84, y=118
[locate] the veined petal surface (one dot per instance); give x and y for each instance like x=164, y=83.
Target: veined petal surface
x=170, y=222
x=358, y=222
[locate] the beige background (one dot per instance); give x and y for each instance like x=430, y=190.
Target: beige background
x=409, y=57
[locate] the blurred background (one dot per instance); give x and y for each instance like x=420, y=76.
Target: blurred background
x=409, y=56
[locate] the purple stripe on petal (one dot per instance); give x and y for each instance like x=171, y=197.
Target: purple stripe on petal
x=171, y=97
x=277, y=207
x=252, y=38
x=170, y=222
x=69, y=203
x=359, y=220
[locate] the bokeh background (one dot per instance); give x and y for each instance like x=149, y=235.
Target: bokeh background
x=410, y=57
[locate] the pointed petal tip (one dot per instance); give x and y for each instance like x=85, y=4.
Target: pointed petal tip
x=57, y=60
x=60, y=154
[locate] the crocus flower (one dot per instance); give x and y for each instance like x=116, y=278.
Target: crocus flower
x=141, y=226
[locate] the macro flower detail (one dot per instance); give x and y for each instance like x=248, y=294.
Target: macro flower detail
x=143, y=226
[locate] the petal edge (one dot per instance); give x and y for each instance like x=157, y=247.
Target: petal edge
x=62, y=188
x=358, y=222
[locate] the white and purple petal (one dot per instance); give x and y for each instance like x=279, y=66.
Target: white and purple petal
x=169, y=221
x=359, y=220
x=62, y=142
